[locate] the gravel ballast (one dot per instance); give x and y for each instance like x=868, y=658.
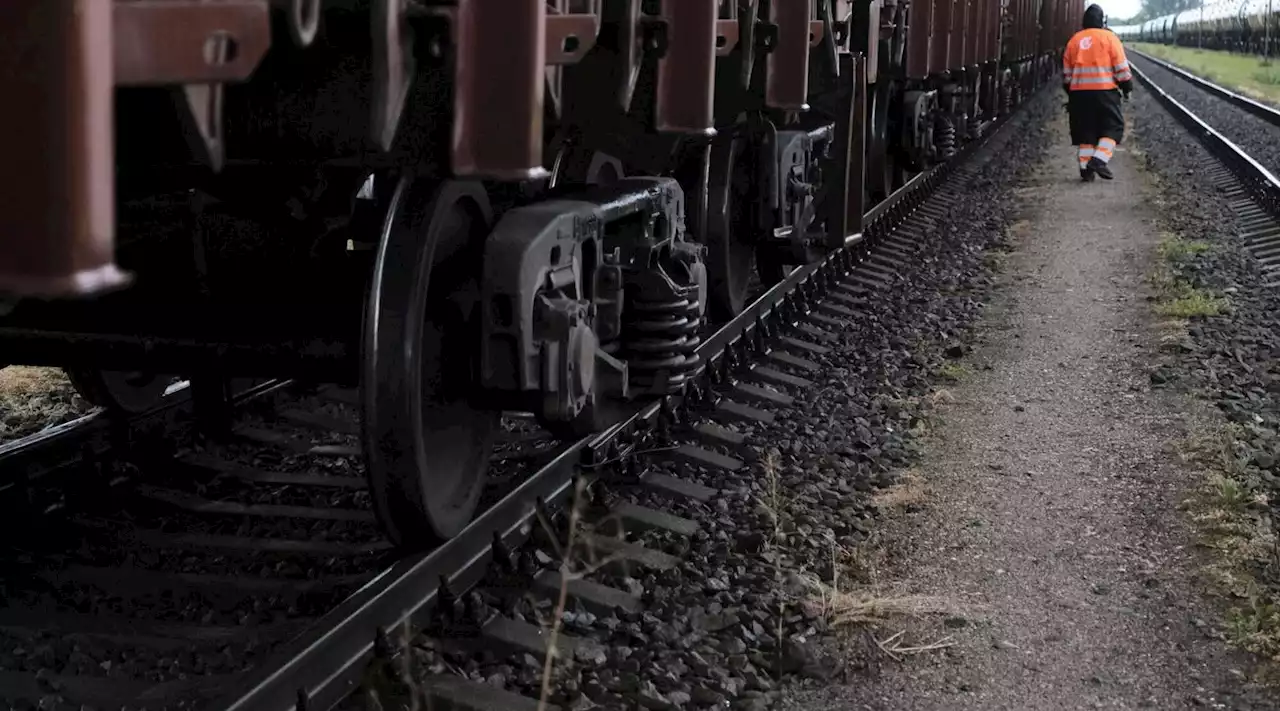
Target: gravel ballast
x=1230, y=359
x=1255, y=136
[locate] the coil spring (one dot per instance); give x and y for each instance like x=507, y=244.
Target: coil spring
x=1006, y=99
x=660, y=343
x=944, y=135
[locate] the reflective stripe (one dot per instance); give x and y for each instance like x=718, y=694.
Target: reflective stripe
x=1105, y=147
x=1094, y=59
x=1092, y=80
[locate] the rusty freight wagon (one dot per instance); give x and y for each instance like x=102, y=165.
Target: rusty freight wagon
x=464, y=206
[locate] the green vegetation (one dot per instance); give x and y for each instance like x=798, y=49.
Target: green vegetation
x=1175, y=298
x=953, y=372
x=1193, y=302
x=1174, y=248
x=1231, y=512
x=1246, y=74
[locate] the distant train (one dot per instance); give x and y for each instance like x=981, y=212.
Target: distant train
x=1245, y=26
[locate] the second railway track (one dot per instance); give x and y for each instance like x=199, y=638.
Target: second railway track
x=1252, y=126
x=1247, y=181
x=250, y=574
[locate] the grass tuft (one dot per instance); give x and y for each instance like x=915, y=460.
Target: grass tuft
x=1267, y=77
x=871, y=607
x=908, y=492
x=1191, y=303
x=1178, y=250
x=1176, y=298
x=32, y=399
x=1232, y=515
x=953, y=372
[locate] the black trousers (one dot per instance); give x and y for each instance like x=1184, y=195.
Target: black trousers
x=1093, y=115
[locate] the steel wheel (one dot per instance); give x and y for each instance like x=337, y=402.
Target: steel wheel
x=879, y=164
x=120, y=390
x=730, y=257
x=581, y=164
x=426, y=443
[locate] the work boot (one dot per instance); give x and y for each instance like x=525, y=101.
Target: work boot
x=1086, y=174
x=1102, y=169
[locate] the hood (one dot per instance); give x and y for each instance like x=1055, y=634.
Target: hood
x=1094, y=18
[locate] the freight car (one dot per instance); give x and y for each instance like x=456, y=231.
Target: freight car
x=463, y=206
x=1245, y=26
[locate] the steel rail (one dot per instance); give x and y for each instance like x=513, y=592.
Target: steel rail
x=322, y=666
x=1261, y=184
x=1267, y=113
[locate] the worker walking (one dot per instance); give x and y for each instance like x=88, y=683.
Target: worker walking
x=1094, y=73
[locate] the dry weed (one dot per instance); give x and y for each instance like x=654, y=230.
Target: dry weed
x=1231, y=512
x=941, y=396
x=1020, y=229
x=910, y=489
x=32, y=399
x=870, y=609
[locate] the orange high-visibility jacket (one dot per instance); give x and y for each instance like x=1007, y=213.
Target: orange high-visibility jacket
x=1094, y=60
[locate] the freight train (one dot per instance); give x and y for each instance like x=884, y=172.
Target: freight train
x=1245, y=26
x=463, y=206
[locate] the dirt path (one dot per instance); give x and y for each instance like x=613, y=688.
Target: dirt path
x=1050, y=513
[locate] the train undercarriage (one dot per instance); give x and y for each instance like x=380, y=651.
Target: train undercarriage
x=465, y=207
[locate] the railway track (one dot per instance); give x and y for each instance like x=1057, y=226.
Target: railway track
x=1248, y=187
x=249, y=573
x=1267, y=113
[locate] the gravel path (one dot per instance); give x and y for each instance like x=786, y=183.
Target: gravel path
x=1048, y=523
x=1257, y=137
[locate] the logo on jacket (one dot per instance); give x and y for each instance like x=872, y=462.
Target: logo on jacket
x=1086, y=42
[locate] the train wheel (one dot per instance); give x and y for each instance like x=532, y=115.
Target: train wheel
x=120, y=390
x=730, y=256
x=879, y=163
x=580, y=164
x=427, y=444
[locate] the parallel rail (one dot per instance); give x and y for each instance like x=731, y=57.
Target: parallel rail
x=1261, y=184
x=1267, y=113
x=1252, y=191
